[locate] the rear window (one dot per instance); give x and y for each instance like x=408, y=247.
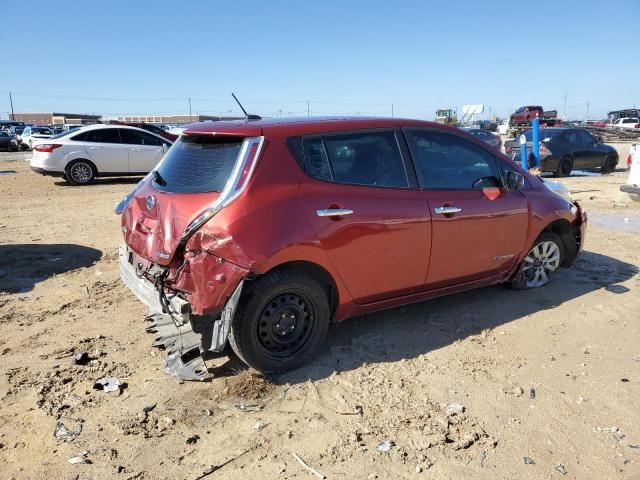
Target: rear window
x=198, y=163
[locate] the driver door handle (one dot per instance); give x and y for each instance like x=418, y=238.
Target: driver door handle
x=447, y=210
x=334, y=212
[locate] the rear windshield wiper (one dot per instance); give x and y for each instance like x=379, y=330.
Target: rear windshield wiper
x=158, y=178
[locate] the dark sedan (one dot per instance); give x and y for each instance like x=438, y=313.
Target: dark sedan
x=563, y=149
x=485, y=136
x=8, y=142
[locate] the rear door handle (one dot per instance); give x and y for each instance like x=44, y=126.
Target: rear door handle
x=447, y=210
x=94, y=148
x=333, y=212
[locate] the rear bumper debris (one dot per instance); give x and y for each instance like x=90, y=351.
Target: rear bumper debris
x=183, y=336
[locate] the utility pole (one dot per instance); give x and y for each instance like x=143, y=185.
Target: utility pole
x=392, y=110
x=190, y=117
x=13, y=115
x=308, y=109
x=564, y=110
x=587, y=110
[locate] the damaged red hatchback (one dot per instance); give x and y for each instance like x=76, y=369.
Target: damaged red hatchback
x=264, y=232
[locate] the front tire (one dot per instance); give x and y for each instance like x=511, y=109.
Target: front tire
x=281, y=321
x=80, y=172
x=542, y=260
x=610, y=163
x=564, y=167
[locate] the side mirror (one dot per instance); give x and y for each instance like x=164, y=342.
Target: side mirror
x=165, y=147
x=515, y=181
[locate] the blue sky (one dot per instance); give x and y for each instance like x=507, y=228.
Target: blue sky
x=344, y=57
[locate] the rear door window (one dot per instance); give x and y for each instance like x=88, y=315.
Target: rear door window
x=102, y=135
x=445, y=161
x=133, y=137
x=364, y=158
x=198, y=163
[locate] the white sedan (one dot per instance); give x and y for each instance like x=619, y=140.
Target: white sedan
x=99, y=151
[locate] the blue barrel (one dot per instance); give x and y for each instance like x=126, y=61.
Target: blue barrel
x=535, y=139
x=523, y=152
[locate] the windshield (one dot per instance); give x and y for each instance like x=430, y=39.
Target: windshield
x=198, y=164
x=545, y=133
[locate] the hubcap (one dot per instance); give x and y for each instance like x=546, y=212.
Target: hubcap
x=81, y=172
x=285, y=325
x=541, y=261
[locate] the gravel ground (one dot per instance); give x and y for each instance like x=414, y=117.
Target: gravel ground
x=547, y=381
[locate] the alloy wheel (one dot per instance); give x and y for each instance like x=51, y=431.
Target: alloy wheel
x=542, y=260
x=80, y=172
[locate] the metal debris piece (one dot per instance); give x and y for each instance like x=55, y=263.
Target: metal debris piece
x=193, y=439
x=529, y=461
x=149, y=407
x=532, y=393
x=61, y=432
x=108, y=384
x=634, y=446
x=386, y=445
x=624, y=380
x=454, y=409
x=249, y=408
x=80, y=458
x=259, y=426
x=560, y=468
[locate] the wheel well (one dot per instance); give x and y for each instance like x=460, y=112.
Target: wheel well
x=93, y=165
x=317, y=273
x=569, y=238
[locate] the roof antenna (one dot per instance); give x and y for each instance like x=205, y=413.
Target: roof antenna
x=247, y=116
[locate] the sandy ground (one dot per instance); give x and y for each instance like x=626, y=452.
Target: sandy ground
x=551, y=374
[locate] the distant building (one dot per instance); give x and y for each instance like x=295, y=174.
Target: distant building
x=56, y=118
x=177, y=119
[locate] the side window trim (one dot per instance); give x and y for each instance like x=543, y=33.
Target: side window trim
x=496, y=163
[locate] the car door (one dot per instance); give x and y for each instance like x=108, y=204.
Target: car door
x=370, y=217
x=587, y=150
x=144, y=150
x=478, y=229
x=106, y=151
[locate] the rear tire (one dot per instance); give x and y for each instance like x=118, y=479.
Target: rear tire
x=80, y=172
x=542, y=260
x=610, y=163
x=281, y=321
x=565, y=166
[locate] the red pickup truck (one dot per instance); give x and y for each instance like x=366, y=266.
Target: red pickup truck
x=524, y=115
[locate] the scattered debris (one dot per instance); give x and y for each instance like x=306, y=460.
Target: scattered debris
x=418, y=469
x=532, y=393
x=619, y=205
x=529, y=461
x=386, y=445
x=251, y=385
x=624, y=380
x=307, y=467
x=634, y=446
x=193, y=439
x=61, y=432
x=80, y=458
x=108, y=384
x=259, y=426
x=517, y=391
x=81, y=358
x=560, y=468
x=249, y=408
x=454, y=409
x=149, y=408
x=357, y=410
x=215, y=468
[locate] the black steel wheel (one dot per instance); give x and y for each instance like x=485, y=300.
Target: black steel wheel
x=281, y=321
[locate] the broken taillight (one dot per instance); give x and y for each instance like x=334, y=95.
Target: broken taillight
x=46, y=147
